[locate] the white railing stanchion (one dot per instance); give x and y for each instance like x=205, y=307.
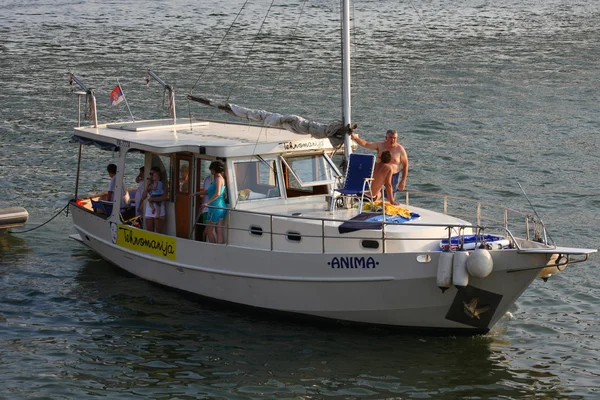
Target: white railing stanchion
x=271, y=231
x=323, y=234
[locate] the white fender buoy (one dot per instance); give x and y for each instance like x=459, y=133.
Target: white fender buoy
x=460, y=277
x=444, y=272
x=480, y=263
x=547, y=273
x=553, y=267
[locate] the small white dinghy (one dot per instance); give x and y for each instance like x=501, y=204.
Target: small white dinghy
x=12, y=217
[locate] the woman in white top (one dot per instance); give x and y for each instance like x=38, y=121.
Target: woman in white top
x=154, y=220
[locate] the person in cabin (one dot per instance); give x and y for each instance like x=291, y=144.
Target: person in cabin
x=214, y=200
x=155, y=195
x=110, y=193
x=156, y=190
x=207, y=182
x=139, y=179
x=184, y=176
x=382, y=179
x=399, y=162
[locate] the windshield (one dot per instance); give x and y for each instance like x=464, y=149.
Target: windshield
x=311, y=170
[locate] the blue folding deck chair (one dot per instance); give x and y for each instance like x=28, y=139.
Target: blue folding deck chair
x=358, y=178
x=102, y=207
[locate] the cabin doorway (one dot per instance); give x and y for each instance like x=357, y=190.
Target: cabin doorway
x=183, y=188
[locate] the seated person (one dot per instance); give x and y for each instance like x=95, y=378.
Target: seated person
x=382, y=179
x=110, y=194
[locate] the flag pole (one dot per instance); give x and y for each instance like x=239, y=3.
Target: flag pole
x=125, y=98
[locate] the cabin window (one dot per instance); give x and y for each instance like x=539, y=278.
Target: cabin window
x=256, y=179
x=256, y=230
x=308, y=174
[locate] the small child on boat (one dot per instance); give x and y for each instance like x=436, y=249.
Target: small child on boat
x=155, y=189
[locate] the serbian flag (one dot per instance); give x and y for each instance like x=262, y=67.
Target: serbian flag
x=116, y=96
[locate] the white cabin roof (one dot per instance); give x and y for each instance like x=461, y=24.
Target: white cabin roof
x=219, y=139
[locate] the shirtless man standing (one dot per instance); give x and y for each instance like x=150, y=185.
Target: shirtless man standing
x=399, y=157
x=382, y=179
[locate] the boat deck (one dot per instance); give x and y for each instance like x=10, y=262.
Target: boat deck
x=318, y=212
x=315, y=229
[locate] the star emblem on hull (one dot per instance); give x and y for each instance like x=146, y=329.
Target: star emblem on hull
x=474, y=307
x=471, y=308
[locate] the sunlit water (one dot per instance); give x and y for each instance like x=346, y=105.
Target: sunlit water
x=483, y=94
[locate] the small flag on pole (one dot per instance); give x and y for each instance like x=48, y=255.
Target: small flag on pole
x=116, y=96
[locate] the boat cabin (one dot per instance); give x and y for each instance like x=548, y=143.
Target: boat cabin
x=265, y=169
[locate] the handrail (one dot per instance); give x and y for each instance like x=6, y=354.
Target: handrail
x=384, y=238
x=477, y=215
x=537, y=223
x=497, y=224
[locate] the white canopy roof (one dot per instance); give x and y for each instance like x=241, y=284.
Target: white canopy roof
x=220, y=139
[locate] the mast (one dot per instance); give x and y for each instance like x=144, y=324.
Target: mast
x=346, y=88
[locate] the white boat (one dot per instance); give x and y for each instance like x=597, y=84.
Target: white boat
x=285, y=250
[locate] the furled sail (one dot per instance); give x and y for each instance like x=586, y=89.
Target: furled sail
x=334, y=131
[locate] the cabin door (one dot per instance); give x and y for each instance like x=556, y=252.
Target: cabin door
x=182, y=195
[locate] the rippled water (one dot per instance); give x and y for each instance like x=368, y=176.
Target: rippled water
x=483, y=95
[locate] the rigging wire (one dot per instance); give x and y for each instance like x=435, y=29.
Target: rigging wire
x=355, y=52
x=419, y=15
x=276, y=85
x=211, y=58
x=293, y=35
x=251, y=48
x=218, y=47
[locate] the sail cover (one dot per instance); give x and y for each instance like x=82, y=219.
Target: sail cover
x=334, y=131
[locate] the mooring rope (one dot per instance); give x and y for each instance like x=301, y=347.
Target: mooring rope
x=39, y=226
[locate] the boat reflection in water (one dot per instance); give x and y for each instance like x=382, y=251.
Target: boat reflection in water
x=179, y=344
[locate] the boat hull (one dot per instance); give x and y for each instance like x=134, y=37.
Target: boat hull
x=397, y=289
